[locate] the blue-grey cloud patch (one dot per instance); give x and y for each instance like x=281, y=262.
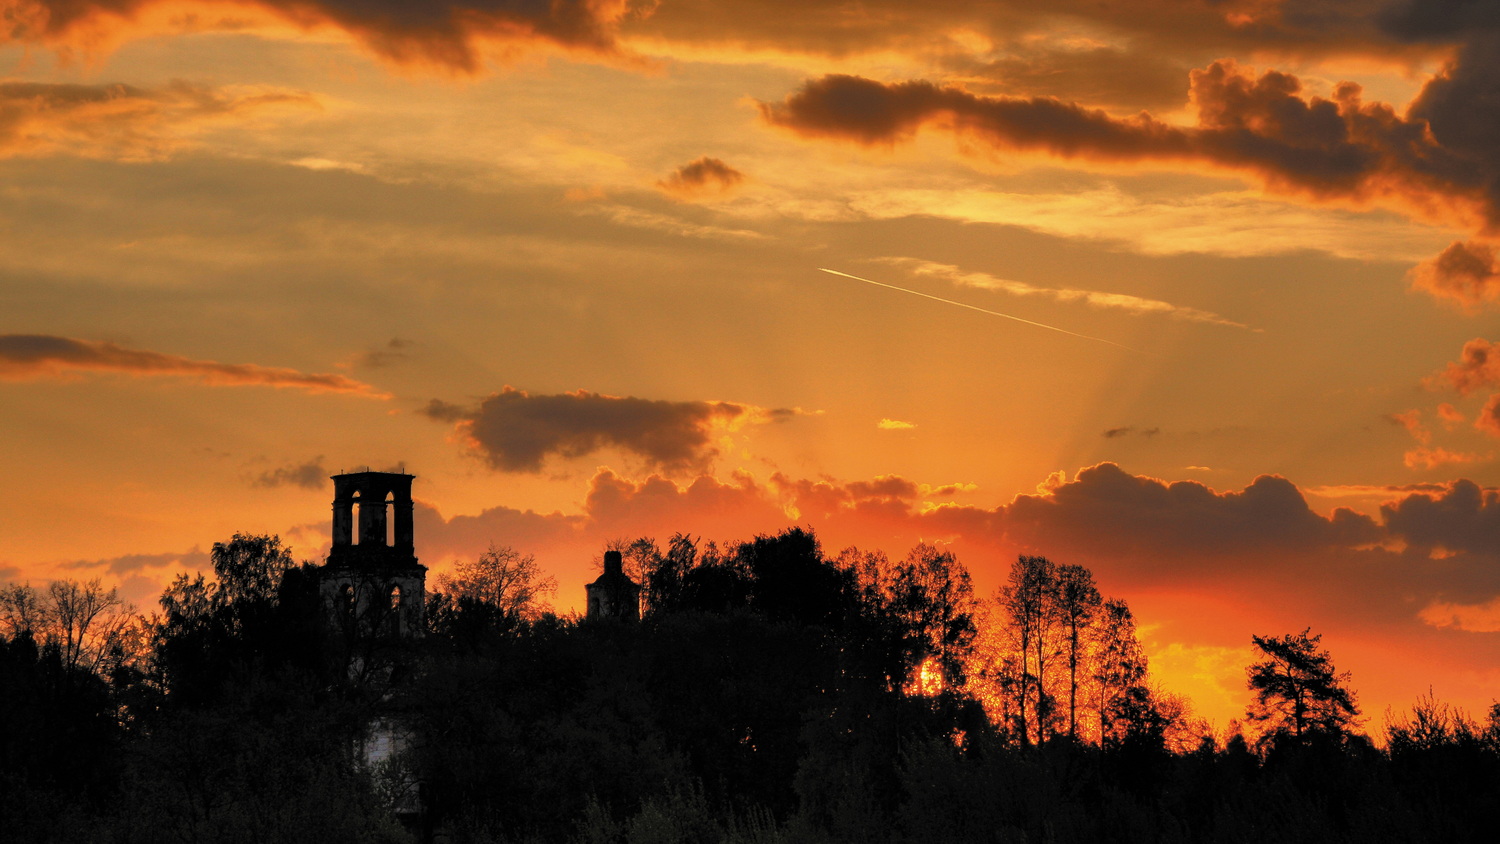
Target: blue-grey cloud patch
x=1127, y=430
x=392, y=352
x=194, y=560
x=309, y=475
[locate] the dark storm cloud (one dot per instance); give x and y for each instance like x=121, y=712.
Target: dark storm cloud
x=42, y=356
x=516, y=431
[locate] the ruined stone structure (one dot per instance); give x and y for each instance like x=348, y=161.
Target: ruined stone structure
x=372, y=584
x=614, y=594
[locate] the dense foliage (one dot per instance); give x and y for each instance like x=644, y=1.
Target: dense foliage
x=768, y=693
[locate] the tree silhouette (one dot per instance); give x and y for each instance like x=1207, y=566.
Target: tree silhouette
x=1297, y=690
x=259, y=610
x=930, y=594
x=88, y=625
x=503, y=578
x=1078, y=603
x=1119, y=666
x=1028, y=598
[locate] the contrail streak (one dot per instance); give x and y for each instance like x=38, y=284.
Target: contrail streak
x=979, y=309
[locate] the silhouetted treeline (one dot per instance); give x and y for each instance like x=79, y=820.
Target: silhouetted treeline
x=769, y=693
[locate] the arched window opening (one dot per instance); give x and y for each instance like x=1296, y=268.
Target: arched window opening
x=346, y=600
x=390, y=522
x=356, y=523
x=394, y=621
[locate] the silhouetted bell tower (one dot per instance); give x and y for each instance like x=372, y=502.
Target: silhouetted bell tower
x=372, y=583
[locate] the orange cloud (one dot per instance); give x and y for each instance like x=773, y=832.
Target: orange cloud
x=1488, y=419
x=1475, y=618
x=1411, y=420
x=1431, y=458
x=1450, y=415
x=442, y=33
x=1114, y=50
x=700, y=177
x=1478, y=366
x=515, y=431
x=25, y=357
x=123, y=121
x=1466, y=273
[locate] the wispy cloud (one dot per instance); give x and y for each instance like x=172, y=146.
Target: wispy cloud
x=25, y=357
x=125, y=122
x=1093, y=298
x=638, y=218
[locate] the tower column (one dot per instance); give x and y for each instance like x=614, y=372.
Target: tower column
x=403, y=516
x=343, y=521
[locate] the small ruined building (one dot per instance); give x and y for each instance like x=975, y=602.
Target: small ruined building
x=614, y=594
x=373, y=592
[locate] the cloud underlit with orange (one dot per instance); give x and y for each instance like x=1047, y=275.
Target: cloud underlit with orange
x=1134, y=531
x=1426, y=566
x=1465, y=273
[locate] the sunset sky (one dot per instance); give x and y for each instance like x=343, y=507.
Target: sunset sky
x=561, y=262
